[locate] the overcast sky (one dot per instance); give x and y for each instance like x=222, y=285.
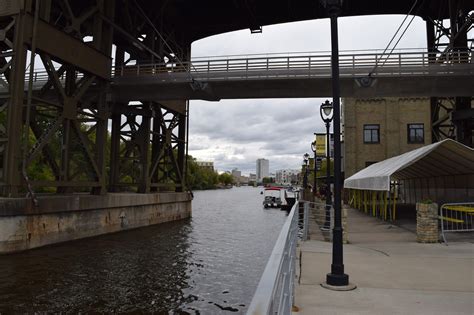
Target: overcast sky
x=234, y=133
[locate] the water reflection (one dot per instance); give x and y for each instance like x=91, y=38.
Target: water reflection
x=210, y=263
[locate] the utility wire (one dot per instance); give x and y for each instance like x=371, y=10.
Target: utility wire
x=401, y=36
x=393, y=37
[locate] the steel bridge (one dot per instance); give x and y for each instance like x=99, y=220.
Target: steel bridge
x=101, y=57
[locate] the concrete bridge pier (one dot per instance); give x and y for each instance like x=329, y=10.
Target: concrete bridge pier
x=62, y=218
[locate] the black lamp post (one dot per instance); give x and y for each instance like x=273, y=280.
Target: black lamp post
x=337, y=277
x=327, y=115
x=305, y=175
x=313, y=148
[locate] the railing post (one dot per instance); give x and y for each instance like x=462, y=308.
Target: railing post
x=247, y=68
x=305, y=220
x=309, y=66
x=288, y=66
x=399, y=63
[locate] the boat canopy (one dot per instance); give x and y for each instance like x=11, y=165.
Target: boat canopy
x=273, y=188
x=443, y=158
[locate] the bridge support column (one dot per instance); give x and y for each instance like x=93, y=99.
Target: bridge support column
x=451, y=117
x=12, y=76
x=139, y=128
x=169, y=146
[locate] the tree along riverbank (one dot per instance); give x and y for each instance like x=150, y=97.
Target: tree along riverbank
x=200, y=178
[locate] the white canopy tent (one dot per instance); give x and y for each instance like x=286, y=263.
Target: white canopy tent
x=444, y=158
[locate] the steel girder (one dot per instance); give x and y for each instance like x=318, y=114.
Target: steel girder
x=148, y=140
x=58, y=131
x=12, y=75
x=147, y=148
x=61, y=143
x=452, y=117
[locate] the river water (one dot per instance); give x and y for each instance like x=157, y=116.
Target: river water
x=208, y=264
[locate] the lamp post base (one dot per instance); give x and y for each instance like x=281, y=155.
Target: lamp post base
x=348, y=287
x=337, y=279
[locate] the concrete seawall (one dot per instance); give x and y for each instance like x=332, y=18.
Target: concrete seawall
x=64, y=218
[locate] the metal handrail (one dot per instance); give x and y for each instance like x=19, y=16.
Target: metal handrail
x=406, y=63
x=275, y=291
x=299, y=66
x=311, y=53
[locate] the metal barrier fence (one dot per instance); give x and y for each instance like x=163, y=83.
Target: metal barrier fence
x=275, y=291
x=321, y=215
x=456, y=217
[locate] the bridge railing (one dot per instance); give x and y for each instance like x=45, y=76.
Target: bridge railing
x=313, y=65
x=299, y=65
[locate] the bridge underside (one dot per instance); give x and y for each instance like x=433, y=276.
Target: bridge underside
x=80, y=133
x=412, y=86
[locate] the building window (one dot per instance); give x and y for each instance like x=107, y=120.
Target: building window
x=416, y=133
x=371, y=133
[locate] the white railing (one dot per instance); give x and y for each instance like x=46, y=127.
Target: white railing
x=456, y=217
x=297, y=66
x=275, y=291
x=301, y=66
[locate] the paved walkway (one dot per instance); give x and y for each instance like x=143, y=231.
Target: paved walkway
x=393, y=273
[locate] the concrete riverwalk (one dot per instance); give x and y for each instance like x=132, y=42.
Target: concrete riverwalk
x=393, y=273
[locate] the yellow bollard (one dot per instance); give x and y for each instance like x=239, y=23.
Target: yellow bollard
x=394, y=208
x=358, y=200
x=374, y=196
x=365, y=201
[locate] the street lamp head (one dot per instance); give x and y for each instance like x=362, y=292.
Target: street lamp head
x=313, y=146
x=333, y=6
x=306, y=158
x=326, y=111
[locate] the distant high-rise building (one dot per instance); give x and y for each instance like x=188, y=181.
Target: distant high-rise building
x=236, y=174
x=263, y=169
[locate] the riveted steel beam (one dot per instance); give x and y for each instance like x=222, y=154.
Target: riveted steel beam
x=71, y=50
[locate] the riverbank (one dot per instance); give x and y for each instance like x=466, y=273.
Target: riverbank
x=393, y=273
